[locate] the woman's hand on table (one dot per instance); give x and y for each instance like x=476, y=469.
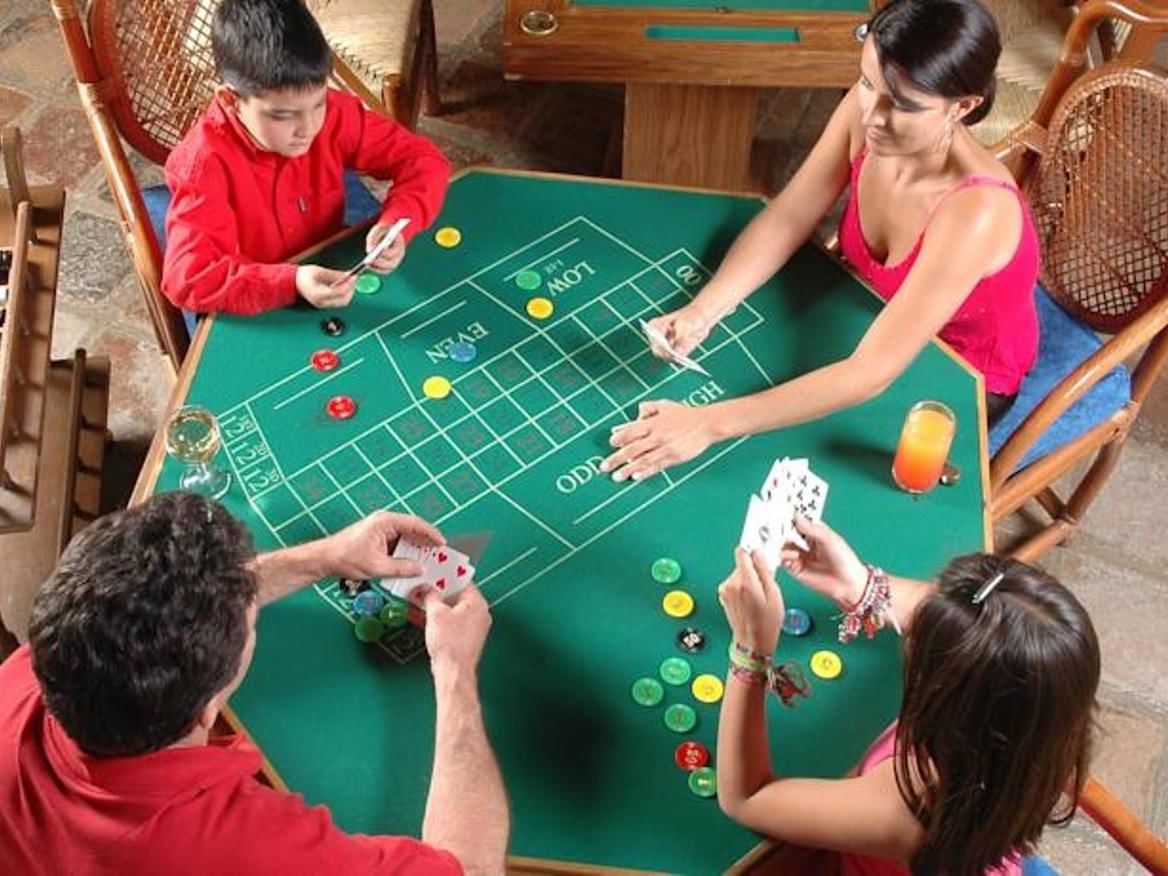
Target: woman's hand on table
x=684, y=328
x=664, y=434
x=753, y=602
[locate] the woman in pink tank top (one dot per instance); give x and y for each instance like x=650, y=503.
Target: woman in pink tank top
x=1001, y=667
x=933, y=223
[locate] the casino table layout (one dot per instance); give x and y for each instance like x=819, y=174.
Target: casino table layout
x=511, y=454
x=691, y=68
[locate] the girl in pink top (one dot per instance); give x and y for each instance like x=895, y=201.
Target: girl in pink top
x=1001, y=668
x=933, y=223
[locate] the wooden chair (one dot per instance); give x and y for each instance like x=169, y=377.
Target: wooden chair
x=391, y=48
x=52, y=412
x=1094, y=163
x=145, y=72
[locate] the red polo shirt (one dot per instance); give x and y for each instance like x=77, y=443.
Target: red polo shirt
x=238, y=212
x=194, y=810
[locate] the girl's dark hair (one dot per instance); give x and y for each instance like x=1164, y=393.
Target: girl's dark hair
x=143, y=621
x=268, y=45
x=945, y=47
x=998, y=714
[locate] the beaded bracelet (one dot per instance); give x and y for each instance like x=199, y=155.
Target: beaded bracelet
x=786, y=681
x=748, y=676
x=870, y=610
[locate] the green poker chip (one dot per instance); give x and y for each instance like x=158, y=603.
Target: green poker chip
x=680, y=718
x=666, y=570
x=528, y=280
x=367, y=284
x=393, y=615
x=368, y=628
x=704, y=781
x=648, y=691
x=675, y=670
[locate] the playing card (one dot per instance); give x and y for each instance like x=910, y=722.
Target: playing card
x=447, y=570
x=656, y=337
x=371, y=256
x=758, y=532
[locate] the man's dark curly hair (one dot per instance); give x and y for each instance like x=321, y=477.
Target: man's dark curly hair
x=269, y=45
x=143, y=621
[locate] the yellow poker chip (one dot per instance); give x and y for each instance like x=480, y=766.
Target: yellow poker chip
x=678, y=603
x=436, y=387
x=448, y=237
x=540, y=308
x=826, y=664
x=707, y=688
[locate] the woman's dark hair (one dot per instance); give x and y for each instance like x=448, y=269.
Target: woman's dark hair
x=143, y=621
x=265, y=45
x=998, y=714
x=945, y=47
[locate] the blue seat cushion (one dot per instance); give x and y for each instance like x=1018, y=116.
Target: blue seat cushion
x=1064, y=343
x=360, y=205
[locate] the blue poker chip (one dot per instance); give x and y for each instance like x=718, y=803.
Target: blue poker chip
x=368, y=602
x=796, y=622
x=463, y=351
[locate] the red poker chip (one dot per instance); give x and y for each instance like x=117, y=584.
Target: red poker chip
x=325, y=360
x=691, y=755
x=341, y=407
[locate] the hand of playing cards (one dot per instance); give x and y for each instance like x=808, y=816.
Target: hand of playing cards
x=791, y=490
x=444, y=569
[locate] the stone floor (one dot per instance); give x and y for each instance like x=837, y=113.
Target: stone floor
x=1116, y=565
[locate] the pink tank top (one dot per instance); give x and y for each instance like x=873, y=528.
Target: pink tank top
x=861, y=865
x=996, y=328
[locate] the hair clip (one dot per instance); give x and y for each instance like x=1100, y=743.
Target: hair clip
x=987, y=588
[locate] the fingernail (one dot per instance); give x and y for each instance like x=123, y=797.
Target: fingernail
x=619, y=476
x=638, y=476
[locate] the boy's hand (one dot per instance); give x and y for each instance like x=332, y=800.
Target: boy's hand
x=365, y=548
x=315, y=285
x=394, y=253
x=455, y=634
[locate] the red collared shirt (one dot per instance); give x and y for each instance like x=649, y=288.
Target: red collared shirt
x=238, y=212
x=196, y=810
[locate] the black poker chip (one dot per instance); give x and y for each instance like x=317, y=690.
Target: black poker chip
x=691, y=640
x=333, y=326
x=352, y=586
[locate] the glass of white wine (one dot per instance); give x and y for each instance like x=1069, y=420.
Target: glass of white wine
x=192, y=437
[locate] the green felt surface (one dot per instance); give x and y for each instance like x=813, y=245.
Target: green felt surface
x=803, y=6
x=512, y=451
x=723, y=34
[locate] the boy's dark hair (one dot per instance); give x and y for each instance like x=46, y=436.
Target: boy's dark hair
x=998, y=713
x=265, y=45
x=143, y=621
x=945, y=47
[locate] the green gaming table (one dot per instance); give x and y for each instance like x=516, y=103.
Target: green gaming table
x=691, y=69
x=512, y=452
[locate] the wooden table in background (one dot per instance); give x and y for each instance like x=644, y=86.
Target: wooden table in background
x=692, y=70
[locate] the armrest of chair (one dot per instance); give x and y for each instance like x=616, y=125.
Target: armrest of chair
x=11, y=374
x=1073, y=387
x=1106, y=810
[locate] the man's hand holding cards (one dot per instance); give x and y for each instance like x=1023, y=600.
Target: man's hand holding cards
x=791, y=490
x=444, y=570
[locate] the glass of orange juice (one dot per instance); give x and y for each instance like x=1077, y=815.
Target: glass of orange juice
x=924, y=446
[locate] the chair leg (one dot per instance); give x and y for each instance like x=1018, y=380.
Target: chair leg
x=1050, y=502
x=1094, y=480
x=1042, y=541
x=428, y=46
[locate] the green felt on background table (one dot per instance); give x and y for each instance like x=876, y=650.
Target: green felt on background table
x=577, y=614
x=701, y=33
x=804, y=6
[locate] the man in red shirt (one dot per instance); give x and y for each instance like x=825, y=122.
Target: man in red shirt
x=144, y=630
x=260, y=176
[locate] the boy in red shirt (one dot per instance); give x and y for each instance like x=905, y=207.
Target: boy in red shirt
x=144, y=630
x=259, y=178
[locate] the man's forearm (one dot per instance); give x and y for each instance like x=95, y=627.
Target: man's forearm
x=466, y=812
x=281, y=572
